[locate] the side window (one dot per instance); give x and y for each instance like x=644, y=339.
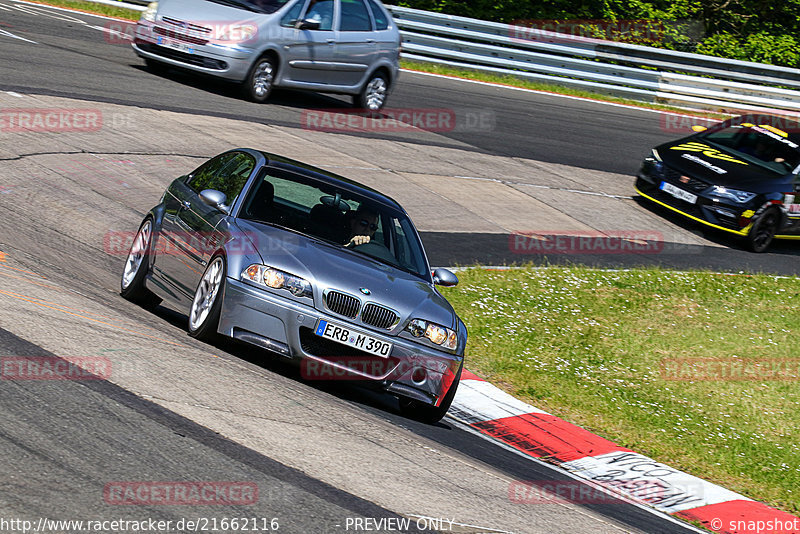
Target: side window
x=381, y=22
x=354, y=17
x=321, y=11
x=229, y=177
x=291, y=16
x=205, y=174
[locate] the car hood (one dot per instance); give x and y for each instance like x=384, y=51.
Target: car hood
x=205, y=11
x=328, y=266
x=718, y=166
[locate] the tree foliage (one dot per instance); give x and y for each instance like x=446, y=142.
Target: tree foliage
x=750, y=30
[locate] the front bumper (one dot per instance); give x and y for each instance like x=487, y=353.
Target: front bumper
x=227, y=61
x=286, y=326
x=708, y=210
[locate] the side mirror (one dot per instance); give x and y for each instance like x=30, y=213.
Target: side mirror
x=214, y=198
x=698, y=128
x=444, y=278
x=307, y=24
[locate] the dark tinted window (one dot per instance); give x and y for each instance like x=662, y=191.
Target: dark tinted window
x=762, y=145
x=226, y=173
x=381, y=22
x=355, y=17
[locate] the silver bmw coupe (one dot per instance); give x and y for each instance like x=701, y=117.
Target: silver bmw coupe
x=306, y=264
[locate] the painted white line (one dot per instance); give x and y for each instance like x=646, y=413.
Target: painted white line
x=39, y=9
x=9, y=34
x=424, y=519
x=4, y=8
x=512, y=182
x=12, y=93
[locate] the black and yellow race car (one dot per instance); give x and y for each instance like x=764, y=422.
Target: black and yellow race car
x=739, y=176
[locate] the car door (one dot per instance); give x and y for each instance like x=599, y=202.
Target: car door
x=189, y=224
x=309, y=53
x=356, y=47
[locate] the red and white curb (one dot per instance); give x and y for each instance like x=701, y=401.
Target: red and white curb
x=492, y=412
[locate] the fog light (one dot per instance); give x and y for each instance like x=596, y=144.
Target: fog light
x=419, y=375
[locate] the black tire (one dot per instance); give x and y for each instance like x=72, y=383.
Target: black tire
x=137, y=265
x=261, y=79
x=374, y=93
x=764, y=229
x=201, y=327
x=430, y=414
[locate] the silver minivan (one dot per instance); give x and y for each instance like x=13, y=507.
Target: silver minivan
x=336, y=46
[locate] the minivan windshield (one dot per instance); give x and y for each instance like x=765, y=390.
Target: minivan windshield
x=337, y=216
x=256, y=6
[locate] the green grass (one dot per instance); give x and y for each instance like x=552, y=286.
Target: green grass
x=587, y=345
x=90, y=7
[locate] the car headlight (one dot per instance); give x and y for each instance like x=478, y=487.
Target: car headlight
x=277, y=279
x=149, y=14
x=735, y=195
x=437, y=334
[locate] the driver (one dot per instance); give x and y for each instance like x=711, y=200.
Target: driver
x=361, y=225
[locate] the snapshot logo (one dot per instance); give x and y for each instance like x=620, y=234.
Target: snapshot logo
x=180, y=493
x=735, y=369
x=398, y=120
x=173, y=34
x=16, y=120
x=571, y=30
x=586, y=242
x=54, y=368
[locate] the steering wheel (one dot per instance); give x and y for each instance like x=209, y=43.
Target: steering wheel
x=376, y=250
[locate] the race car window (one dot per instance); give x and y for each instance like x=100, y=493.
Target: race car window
x=759, y=146
x=226, y=173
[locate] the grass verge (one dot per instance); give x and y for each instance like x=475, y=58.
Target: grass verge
x=91, y=7
x=601, y=349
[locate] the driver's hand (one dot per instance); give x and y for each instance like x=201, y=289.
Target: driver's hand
x=358, y=240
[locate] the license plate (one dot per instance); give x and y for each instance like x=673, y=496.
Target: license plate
x=677, y=192
x=175, y=45
x=347, y=336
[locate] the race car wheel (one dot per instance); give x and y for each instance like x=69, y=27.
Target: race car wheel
x=132, y=285
x=259, y=83
x=207, y=303
x=430, y=414
x=764, y=230
x=373, y=95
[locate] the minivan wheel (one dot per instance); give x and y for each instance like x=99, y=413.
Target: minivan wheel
x=373, y=95
x=258, y=84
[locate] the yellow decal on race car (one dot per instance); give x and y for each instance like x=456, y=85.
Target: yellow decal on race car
x=694, y=146
x=767, y=127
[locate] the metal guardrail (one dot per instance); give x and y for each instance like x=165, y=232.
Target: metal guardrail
x=620, y=69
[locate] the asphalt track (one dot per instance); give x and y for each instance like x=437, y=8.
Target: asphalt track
x=132, y=438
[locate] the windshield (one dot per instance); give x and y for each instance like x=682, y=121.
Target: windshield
x=336, y=216
x=761, y=145
x=256, y=6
